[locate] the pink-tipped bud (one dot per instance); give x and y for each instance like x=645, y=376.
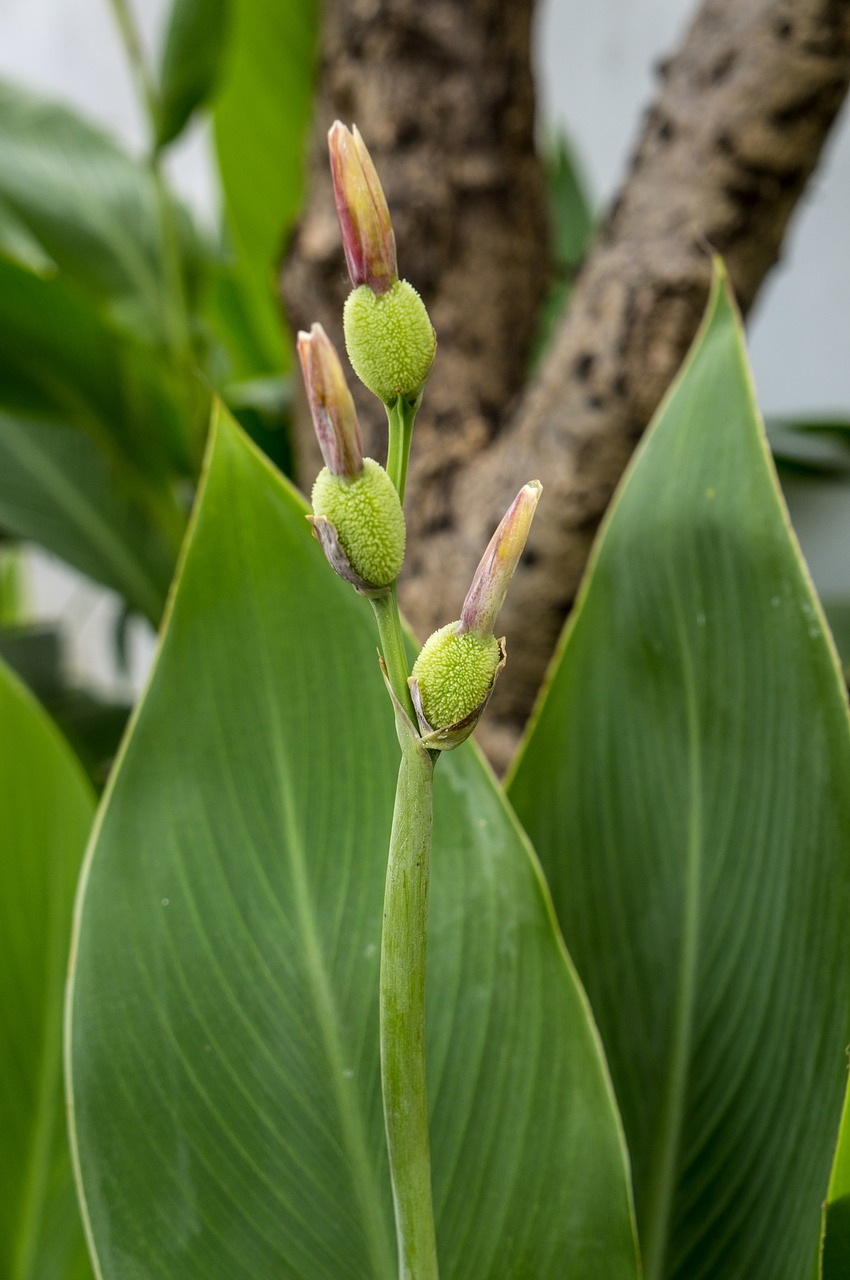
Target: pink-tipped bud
x=331, y=405
x=493, y=575
x=364, y=219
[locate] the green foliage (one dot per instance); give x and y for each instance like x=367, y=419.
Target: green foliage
x=225, y=1062
x=115, y=314
x=46, y=810
x=190, y=62
x=816, y=446
x=572, y=226
x=260, y=117
x=83, y=206
x=685, y=784
x=58, y=489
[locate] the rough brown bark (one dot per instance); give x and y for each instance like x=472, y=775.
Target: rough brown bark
x=736, y=128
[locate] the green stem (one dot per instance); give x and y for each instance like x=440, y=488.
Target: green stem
x=392, y=647
x=403, y=946
x=136, y=58
x=175, y=306
x=401, y=415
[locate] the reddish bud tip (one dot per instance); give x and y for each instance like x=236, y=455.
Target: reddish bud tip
x=493, y=575
x=331, y=405
x=364, y=219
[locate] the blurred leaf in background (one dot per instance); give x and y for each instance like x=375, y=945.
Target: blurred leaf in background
x=190, y=62
x=119, y=317
x=573, y=224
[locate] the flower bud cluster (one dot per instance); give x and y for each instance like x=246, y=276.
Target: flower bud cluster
x=357, y=514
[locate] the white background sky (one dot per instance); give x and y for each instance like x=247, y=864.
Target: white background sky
x=595, y=63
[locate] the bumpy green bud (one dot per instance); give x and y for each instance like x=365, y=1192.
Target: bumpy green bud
x=455, y=673
x=368, y=521
x=390, y=340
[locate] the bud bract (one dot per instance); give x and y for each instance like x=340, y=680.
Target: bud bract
x=362, y=519
x=453, y=675
x=364, y=219
x=331, y=404
x=390, y=340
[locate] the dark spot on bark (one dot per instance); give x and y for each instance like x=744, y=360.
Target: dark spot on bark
x=530, y=557
x=583, y=366
x=783, y=29
x=823, y=103
x=621, y=385
x=596, y=402
x=662, y=68
x=666, y=130
x=723, y=67
x=724, y=145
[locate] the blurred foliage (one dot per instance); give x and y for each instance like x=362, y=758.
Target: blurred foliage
x=572, y=222
x=121, y=318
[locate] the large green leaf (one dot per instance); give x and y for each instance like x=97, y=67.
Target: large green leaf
x=687, y=785
x=190, y=62
x=223, y=1034
x=46, y=810
x=58, y=490
x=87, y=206
x=260, y=117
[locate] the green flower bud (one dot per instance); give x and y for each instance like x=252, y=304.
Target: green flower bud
x=390, y=340
x=367, y=519
x=455, y=673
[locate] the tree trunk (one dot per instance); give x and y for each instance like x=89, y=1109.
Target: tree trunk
x=736, y=129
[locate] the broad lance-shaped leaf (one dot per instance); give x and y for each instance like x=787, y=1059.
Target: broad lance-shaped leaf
x=224, y=1029
x=46, y=810
x=687, y=785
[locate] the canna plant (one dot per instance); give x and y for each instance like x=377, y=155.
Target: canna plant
x=261, y=1080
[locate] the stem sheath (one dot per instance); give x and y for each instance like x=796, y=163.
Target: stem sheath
x=392, y=647
x=401, y=415
x=403, y=948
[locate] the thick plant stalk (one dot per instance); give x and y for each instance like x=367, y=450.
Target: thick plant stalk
x=402, y=1000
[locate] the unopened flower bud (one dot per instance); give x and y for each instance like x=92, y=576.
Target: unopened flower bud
x=331, y=405
x=390, y=340
x=360, y=526
x=486, y=595
x=364, y=219
x=455, y=673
